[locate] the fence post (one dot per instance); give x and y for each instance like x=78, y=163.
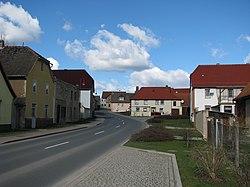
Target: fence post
x=237, y=144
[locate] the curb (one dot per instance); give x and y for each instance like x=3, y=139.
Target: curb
x=46, y=134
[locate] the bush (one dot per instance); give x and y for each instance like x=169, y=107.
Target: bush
x=210, y=161
x=152, y=134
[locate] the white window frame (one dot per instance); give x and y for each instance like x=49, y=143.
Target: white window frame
x=34, y=86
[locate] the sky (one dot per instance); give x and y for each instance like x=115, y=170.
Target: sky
x=128, y=43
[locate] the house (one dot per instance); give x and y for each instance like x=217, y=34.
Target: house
x=213, y=87
x=97, y=102
x=86, y=85
x=105, y=101
x=243, y=106
x=184, y=95
x=7, y=98
x=120, y=102
x=67, y=100
x=151, y=100
x=32, y=81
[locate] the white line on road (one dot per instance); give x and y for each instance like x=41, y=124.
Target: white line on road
x=118, y=126
x=99, y=132
x=56, y=145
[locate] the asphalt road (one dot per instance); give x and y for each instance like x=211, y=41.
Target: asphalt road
x=47, y=160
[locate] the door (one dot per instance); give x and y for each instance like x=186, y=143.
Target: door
x=33, y=120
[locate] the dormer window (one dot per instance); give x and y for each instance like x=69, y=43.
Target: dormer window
x=121, y=98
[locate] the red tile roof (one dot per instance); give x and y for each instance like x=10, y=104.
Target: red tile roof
x=245, y=93
x=76, y=77
x=220, y=75
x=155, y=93
x=105, y=94
x=184, y=94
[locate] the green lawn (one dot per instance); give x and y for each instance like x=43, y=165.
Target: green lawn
x=185, y=163
x=185, y=123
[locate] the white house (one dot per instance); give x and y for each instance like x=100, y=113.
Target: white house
x=149, y=101
x=214, y=87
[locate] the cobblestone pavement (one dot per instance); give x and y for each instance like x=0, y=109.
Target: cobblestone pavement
x=130, y=167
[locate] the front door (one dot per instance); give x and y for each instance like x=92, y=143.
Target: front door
x=33, y=121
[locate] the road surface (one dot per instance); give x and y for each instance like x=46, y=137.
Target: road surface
x=47, y=160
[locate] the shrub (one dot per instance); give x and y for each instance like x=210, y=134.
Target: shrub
x=210, y=161
x=152, y=134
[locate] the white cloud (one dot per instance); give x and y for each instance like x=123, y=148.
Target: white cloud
x=60, y=42
x=75, y=49
x=67, y=26
x=110, y=53
x=113, y=85
x=244, y=37
x=218, y=53
x=102, y=25
x=145, y=36
x=157, y=77
x=247, y=59
x=54, y=62
x=17, y=25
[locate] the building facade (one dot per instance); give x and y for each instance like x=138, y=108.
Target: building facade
x=32, y=81
x=150, y=101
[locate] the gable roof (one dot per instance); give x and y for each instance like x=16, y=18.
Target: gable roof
x=7, y=81
x=105, y=94
x=19, y=60
x=78, y=77
x=115, y=97
x=220, y=75
x=155, y=93
x=245, y=93
x=184, y=94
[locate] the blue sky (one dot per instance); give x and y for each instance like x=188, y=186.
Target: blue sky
x=134, y=42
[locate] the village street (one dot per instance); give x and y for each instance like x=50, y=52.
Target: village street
x=47, y=160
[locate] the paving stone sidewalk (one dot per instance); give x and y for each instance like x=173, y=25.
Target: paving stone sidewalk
x=130, y=167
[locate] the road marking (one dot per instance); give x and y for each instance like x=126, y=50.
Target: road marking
x=99, y=132
x=118, y=126
x=123, y=122
x=52, y=146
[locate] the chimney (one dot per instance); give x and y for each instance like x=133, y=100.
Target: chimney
x=136, y=89
x=1, y=44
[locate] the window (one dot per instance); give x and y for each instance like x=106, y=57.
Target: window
x=162, y=102
x=75, y=96
x=33, y=110
x=145, y=109
x=71, y=95
x=161, y=110
x=157, y=102
x=47, y=88
x=34, y=86
x=121, y=98
x=230, y=92
x=145, y=102
x=207, y=93
x=228, y=109
x=46, y=108
x=42, y=66
x=137, y=109
x=207, y=107
x=174, y=103
x=136, y=102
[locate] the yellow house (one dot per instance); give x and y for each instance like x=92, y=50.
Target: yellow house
x=32, y=81
x=7, y=97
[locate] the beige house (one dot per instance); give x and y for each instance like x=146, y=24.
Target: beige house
x=7, y=97
x=120, y=102
x=150, y=101
x=32, y=81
